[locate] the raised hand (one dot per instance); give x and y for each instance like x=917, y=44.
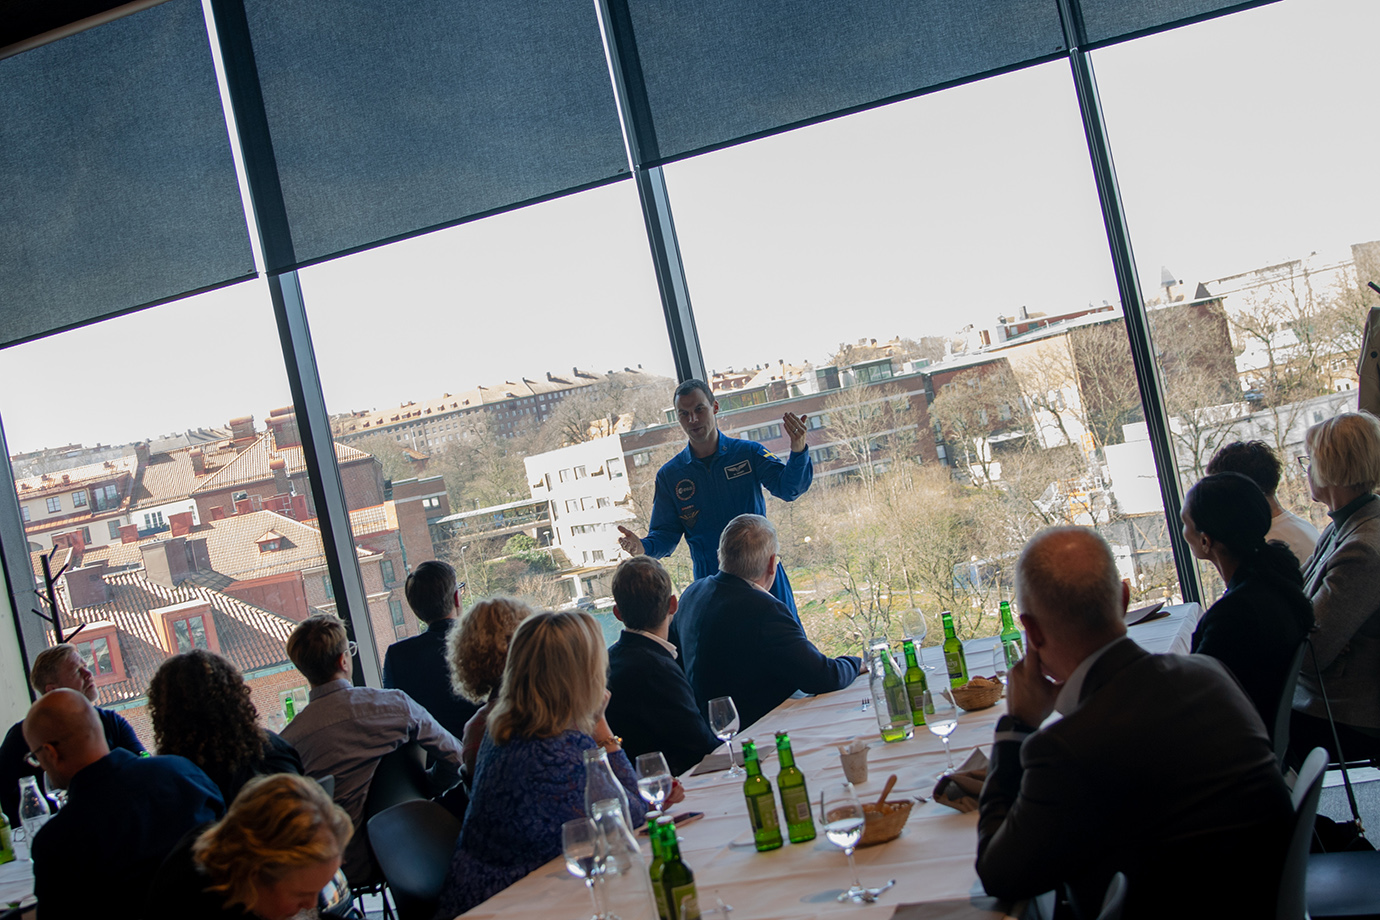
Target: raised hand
x=1029, y=694
x=631, y=542
x=795, y=429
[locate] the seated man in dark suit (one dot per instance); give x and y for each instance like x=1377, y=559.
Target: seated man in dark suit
x=651, y=704
x=56, y=667
x=1160, y=762
x=124, y=813
x=417, y=666
x=738, y=640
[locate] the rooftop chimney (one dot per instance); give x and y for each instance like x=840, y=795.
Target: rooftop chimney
x=165, y=561
x=129, y=533
x=283, y=424
x=242, y=428
x=198, y=459
x=141, y=453
x=86, y=586
x=278, y=466
x=74, y=542
x=181, y=523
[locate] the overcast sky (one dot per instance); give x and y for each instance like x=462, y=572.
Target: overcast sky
x=1239, y=142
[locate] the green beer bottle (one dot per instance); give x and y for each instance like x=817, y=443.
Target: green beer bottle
x=761, y=806
x=657, y=825
x=795, y=799
x=678, y=881
x=6, y=841
x=953, y=653
x=289, y=709
x=1010, y=637
x=915, y=684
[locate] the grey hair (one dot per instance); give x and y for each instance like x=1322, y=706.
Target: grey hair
x=1069, y=576
x=747, y=545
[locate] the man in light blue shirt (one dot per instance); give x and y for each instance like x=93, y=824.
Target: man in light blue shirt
x=715, y=479
x=345, y=730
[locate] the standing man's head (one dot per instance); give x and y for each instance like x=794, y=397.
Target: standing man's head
x=64, y=734
x=320, y=649
x=432, y=593
x=697, y=411
x=1252, y=459
x=749, y=549
x=61, y=666
x=1071, y=596
x=643, y=598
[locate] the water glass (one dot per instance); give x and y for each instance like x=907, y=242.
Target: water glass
x=944, y=720
x=842, y=817
x=653, y=779
x=583, y=847
x=723, y=721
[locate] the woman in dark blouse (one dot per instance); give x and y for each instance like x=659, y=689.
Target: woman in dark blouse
x=1257, y=624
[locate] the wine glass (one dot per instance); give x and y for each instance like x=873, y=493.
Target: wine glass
x=913, y=626
x=842, y=816
x=723, y=720
x=653, y=779
x=999, y=663
x=944, y=720
x=583, y=847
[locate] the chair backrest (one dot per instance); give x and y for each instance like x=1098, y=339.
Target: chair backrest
x=1280, y=730
x=327, y=783
x=414, y=843
x=1292, y=901
x=1114, y=899
x=399, y=777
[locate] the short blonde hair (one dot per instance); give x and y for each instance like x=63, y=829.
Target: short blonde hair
x=477, y=648
x=554, y=679
x=315, y=646
x=1345, y=451
x=277, y=823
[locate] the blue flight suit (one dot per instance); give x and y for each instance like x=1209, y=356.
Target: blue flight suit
x=697, y=498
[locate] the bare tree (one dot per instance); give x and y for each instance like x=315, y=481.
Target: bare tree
x=595, y=411
x=973, y=409
x=872, y=425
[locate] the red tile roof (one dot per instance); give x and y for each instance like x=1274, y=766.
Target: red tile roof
x=252, y=464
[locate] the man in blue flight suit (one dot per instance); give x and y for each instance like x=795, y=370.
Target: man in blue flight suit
x=715, y=479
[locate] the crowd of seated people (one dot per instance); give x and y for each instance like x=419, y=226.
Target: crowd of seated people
x=1175, y=750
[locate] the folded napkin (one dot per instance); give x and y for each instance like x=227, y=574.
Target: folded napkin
x=960, y=790
x=716, y=763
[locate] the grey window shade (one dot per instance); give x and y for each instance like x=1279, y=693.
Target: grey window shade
x=389, y=118
x=717, y=71
x=119, y=188
x=1107, y=21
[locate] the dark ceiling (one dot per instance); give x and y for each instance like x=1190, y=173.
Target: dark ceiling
x=21, y=20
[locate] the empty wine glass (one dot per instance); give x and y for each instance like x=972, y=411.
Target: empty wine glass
x=723, y=720
x=583, y=847
x=944, y=720
x=653, y=779
x=913, y=626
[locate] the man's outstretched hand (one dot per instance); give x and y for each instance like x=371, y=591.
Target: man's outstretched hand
x=631, y=542
x=795, y=428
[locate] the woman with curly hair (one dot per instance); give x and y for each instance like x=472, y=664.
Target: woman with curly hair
x=201, y=710
x=269, y=858
x=477, y=651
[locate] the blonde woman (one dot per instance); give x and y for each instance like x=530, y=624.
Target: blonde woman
x=477, y=651
x=1343, y=580
x=530, y=775
x=268, y=859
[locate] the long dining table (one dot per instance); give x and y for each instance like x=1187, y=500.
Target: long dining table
x=932, y=861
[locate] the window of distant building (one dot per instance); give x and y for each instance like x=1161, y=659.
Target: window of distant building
x=586, y=503
x=395, y=608
x=603, y=503
x=432, y=502
x=571, y=505
x=153, y=519
x=598, y=555
x=326, y=583
x=765, y=433
x=386, y=567
x=580, y=472
x=566, y=475
x=24, y=513
x=817, y=421
x=825, y=454
x=107, y=497
x=642, y=458
x=614, y=467
x=114, y=527
x=54, y=504
x=79, y=499
x=86, y=535
x=189, y=633
x=96, y=656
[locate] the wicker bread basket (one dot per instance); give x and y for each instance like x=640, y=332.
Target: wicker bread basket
x=884, y=822
x=978, y=693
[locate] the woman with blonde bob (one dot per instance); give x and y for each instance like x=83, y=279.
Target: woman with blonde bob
x=477, y=650
x=269, y=858
x=1343, y=580
x=530, y=774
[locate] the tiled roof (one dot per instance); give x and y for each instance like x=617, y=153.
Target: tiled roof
x=249, y=636
x=68, y=480
x=252, y=464
x=169, y=477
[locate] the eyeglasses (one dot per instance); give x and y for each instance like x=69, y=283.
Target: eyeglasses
x=1305, y=463
x=352, y=648
x=31, y=758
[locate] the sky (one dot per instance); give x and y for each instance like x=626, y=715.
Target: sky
x=1238, y=143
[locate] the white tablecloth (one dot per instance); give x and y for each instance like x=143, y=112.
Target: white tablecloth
x=17, y=878
x=932, y=860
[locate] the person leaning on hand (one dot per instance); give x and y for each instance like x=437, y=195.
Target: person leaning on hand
x=1159, y=762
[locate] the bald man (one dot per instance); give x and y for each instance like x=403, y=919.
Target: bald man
x=1159, y=764
x=124, y=813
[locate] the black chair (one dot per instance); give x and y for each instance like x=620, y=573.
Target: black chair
x=1284, y=711
x=414, y=843
x=1344, y=885
x=399, y=777
x=1292, y=902
x=1115, y=898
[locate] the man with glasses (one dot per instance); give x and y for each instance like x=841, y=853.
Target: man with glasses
x=54, y=668
x=345, y=730
x=124, y=813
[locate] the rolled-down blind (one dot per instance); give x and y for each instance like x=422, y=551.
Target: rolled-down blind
x=391, y=117
x=118, y=184
x=1107, y=21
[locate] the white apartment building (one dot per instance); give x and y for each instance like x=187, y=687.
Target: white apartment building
x=589, y=492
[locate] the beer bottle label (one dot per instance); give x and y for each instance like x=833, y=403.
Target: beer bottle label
x=686, y=902
x=796, y=804
x=763, y=813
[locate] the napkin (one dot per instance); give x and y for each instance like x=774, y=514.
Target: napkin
x=960, y=790
x=715, y=763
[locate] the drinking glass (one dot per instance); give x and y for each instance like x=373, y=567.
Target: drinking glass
x=842, y=816
x=944, y=720
x=999, y=663
x=723, y=720
x=653, y=779
x=583, y=847
x=913, y=626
